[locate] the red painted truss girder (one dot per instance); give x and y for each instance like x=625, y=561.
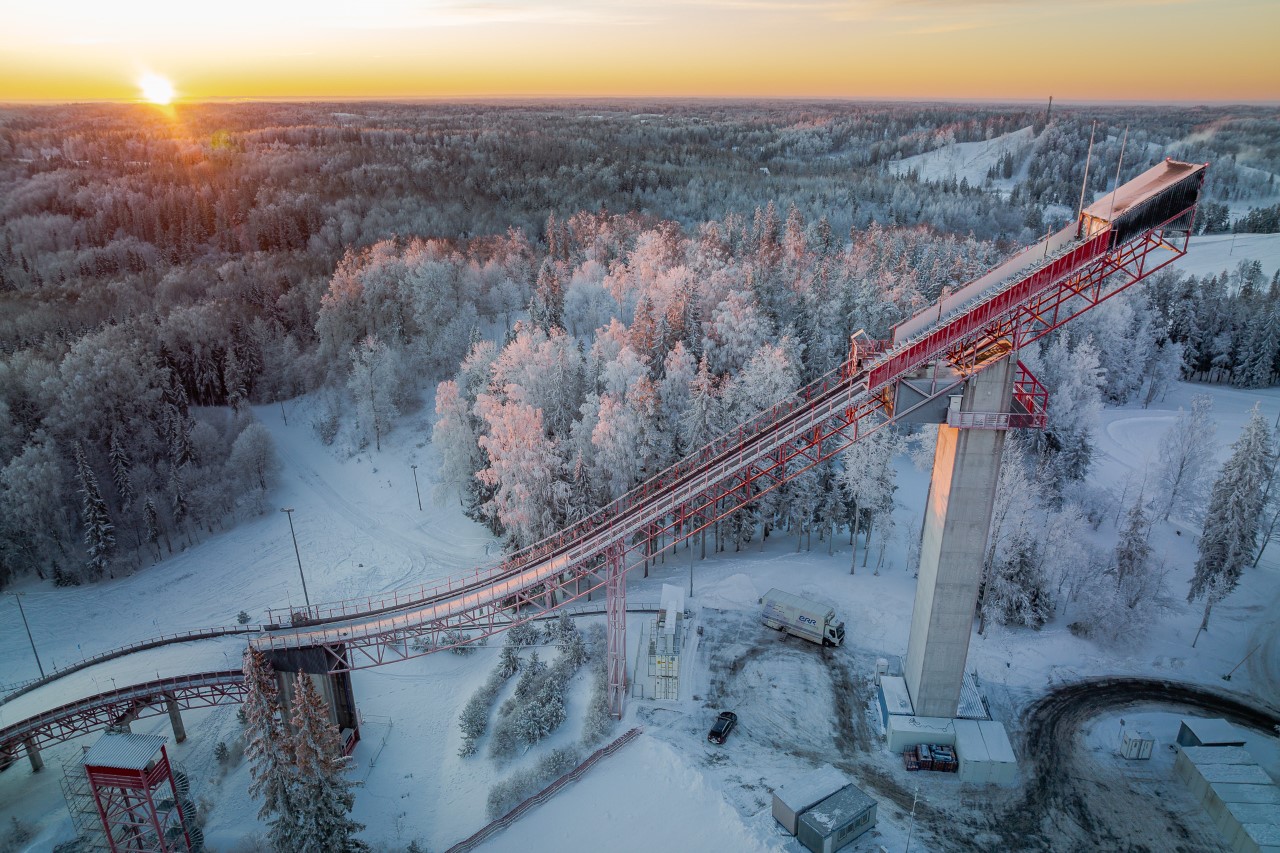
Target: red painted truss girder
x=73, y=719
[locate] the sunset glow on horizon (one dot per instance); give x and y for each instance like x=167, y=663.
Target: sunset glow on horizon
x=1154, y=50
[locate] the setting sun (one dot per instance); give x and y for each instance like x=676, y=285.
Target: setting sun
x=156, y=89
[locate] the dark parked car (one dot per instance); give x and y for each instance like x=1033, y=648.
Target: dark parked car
x=723, y=725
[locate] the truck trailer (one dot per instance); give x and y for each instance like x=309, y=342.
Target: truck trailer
x=801, y=617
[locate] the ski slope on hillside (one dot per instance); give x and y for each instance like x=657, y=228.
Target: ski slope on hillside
x=966, y=160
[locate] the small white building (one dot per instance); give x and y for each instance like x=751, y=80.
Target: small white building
x=1137, y=746
x=799, y=795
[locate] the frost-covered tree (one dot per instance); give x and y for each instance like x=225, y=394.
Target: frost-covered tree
x=523, y=471
x=322, y=819
x=374, y=383
x=99, y=532
x=37, y=525
x=1185, y=451
x=1232, y=517
x=151, y=524
x=1133, y=552
x=869, y=481
x=1016, y=589
x=121, y=469
x=269, y=751
x=1072, y=372
x=253, y=465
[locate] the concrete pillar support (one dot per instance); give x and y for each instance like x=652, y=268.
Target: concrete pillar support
x=175, y=720
x=33, y=755
x=966, y=466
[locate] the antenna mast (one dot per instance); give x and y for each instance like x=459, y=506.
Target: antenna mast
x=1116, y=191
x=1085, y=183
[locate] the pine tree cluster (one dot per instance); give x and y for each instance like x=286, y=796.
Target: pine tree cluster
x=297, y=766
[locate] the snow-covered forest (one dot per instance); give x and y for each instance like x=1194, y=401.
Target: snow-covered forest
x=621, y=278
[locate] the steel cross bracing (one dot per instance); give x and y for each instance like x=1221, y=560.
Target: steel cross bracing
x=113, y=707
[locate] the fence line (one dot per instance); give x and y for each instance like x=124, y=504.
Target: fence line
x=545, y=794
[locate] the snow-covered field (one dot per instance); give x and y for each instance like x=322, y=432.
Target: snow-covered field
x=969, y=161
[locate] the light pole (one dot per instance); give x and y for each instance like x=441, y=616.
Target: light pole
x=288, y=510
x=415, y=486
x=39, y=666
x=911, y=831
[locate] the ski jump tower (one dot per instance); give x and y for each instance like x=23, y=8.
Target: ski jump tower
x=998, y=393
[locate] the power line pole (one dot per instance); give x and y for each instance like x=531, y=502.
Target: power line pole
x=415, y=486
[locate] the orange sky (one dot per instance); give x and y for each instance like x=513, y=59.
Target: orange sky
x=1166, y=50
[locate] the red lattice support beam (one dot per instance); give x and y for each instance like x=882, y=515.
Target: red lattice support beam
x=616, y=621
x=202, y=690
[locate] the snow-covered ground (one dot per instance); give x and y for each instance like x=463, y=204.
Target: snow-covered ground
x=1213, y=253
x=969, y=161
x=360, y=531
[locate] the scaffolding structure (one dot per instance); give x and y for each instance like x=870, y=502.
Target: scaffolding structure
x=125, y=797
x=666, y=639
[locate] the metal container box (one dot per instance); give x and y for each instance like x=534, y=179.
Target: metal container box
x=837, y=820
x=799, y=795
x=1137, y=746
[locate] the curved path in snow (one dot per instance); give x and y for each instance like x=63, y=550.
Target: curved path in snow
x=1065, y=806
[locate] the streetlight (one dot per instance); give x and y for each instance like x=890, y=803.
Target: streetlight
x=288, y=510
x=39, y=666
x=911, y=831
x=415, y=486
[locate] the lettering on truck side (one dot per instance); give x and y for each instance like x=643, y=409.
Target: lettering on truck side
x=809, y=621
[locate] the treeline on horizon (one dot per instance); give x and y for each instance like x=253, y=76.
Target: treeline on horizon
x=159, y=271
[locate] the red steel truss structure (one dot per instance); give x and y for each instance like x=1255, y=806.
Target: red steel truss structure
x=1141, y=227
x=115, y=707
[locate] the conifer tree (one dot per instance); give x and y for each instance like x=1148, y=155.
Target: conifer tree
x=269, y=752
x=152, y=522
x=1132, y=549
x=1235, y=505
x=120, y=467
x=99, y=532
x=325, y=797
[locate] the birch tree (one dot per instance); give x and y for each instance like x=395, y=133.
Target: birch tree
x=1185, y=452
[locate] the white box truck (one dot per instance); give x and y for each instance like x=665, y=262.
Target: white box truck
x=801, y=617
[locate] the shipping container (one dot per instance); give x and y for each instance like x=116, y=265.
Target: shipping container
x=1238, y=795
x=1003, y=767
x=797, y=796
x=971, y=747
x=902, y=732
x=894, y=698
x=837, y=820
